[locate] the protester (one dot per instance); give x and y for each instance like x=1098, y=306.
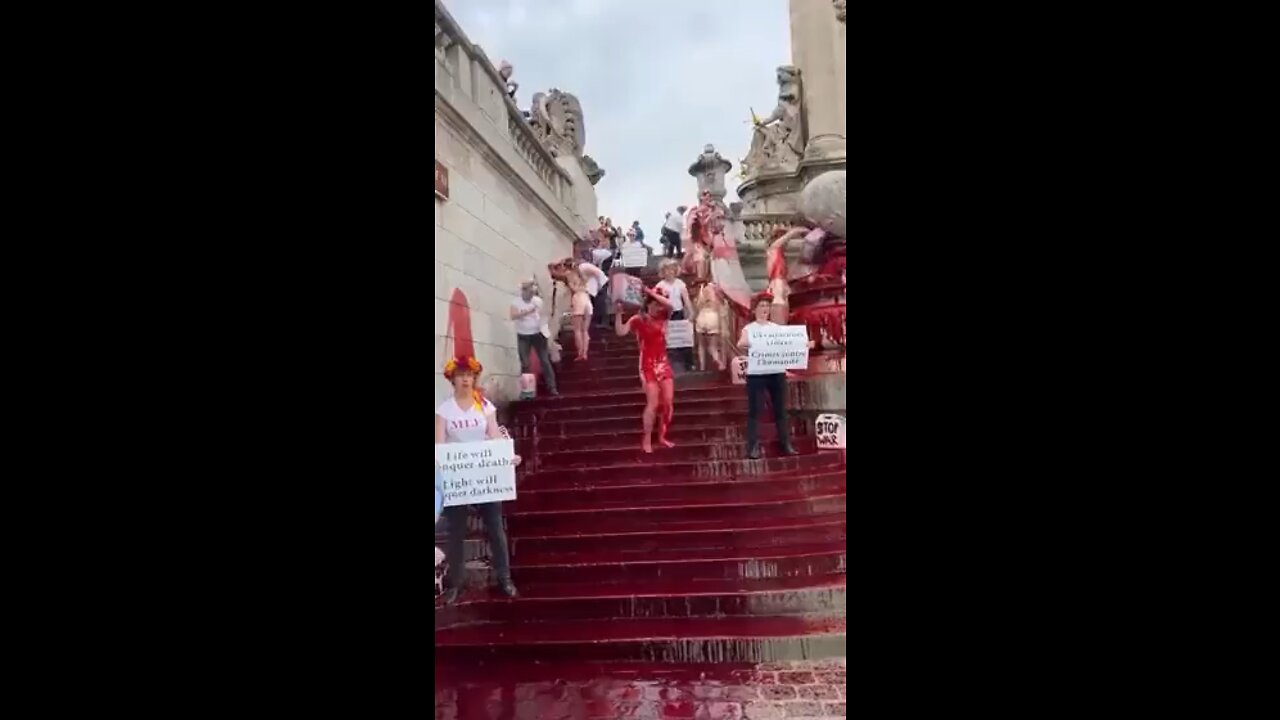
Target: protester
x=526, y=314
x=601, y=257
x=468, y=416
x=635, y=228
x=650, y=327
x=760, y=383
x=584, y=281
x=671, y=232
x=678, y=293
x=707, y=325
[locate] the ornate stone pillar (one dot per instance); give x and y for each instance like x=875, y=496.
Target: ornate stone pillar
x=709, y=170
x=818, y=49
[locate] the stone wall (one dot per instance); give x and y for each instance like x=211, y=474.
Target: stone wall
x=512, y=208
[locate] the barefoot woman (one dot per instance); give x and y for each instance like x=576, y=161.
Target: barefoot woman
x=650, y=327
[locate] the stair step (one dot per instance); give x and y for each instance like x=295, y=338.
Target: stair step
x=630, y=392
x=675, y=640
x=774, y=532
x=612, y=566
x=726, y=431
x=657, y=472
x=677, y=497
x=675, y=517
x=571, y=427
x=545, y=602
x=717, y=450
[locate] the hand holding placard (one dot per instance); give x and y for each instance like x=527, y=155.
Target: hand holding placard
x=477, y=472
x=776, y=348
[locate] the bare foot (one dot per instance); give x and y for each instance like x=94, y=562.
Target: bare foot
x=666, y=443
x=646, y=446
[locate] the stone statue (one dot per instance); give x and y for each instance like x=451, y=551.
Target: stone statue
x=709, y=170
x=556, y=118
x=594, y=171
x=779, y=140
x=839, y=4
x=505, y=69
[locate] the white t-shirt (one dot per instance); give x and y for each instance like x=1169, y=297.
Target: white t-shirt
x=594, y=276
x=675, y=223
x=599, y=255
x=748, y=329
x=674, y=290
x=470, y=425
x=529, y=324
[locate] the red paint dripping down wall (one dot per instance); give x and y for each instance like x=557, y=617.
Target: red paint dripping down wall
x=460, y=325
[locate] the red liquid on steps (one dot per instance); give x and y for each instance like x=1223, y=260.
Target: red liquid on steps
x=631, y=567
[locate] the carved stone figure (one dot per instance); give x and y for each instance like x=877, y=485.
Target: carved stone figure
x=556, y=118
x=779, y=140
x=839, y=4
x=594, y=171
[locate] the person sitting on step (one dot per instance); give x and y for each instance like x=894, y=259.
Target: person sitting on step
x=468, y=416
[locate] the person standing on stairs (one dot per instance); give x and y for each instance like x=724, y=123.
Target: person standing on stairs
x=774, y=384
x=678, y=292
x=526, y=314
x=469, y=417
x=650, y=327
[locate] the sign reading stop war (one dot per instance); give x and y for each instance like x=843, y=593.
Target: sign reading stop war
x=776, y=348
x=830, y=429
x=477, y=472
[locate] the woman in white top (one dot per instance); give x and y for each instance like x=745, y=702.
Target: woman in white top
x=469, y=417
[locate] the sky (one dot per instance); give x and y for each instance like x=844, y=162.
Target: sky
x=657, y=79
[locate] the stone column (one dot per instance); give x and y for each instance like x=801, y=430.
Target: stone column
x=817, y=48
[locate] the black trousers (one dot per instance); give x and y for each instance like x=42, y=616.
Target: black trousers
x=775, y=386
x=671, y=240
x=491, y=513
x=538, y=343
x=600, y=307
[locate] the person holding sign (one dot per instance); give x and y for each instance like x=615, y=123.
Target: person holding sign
x=765, y=380
x=469, y=417
x=650, y=327
x=678, y=293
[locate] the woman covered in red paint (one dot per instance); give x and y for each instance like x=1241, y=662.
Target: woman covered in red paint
x=650, y=327
x=469, y=417
x=584, y=280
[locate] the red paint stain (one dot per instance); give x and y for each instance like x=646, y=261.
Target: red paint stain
x=460, y=325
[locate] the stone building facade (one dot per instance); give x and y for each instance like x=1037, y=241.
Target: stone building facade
x=518, y=195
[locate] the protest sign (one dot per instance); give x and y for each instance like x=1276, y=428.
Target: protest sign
x=679, y=334
x=775, y=348
x=738, y=370
x=636, y=256
x=830, y=430
x=477, y=472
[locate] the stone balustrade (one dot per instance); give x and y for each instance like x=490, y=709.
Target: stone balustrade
x=757, y=229
x=475, y=79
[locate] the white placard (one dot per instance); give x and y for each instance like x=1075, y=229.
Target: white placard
x=636, y=256
x=679, y=334
x=830, y=429
x=477, y=472
x=776, y=348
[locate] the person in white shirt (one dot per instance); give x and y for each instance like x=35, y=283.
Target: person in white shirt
x=760, y=383
x=526, y=314
x=678, y=292
x=601, y=257
x=671, y=232
x=467, y=416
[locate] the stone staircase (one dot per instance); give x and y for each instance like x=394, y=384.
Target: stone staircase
x=690, y=555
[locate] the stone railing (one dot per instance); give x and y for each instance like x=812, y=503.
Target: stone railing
x=757, y=229
x=454, y=50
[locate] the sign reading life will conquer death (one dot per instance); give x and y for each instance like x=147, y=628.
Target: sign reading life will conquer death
x=477, y=472
x=679, y=334
x=776, y=348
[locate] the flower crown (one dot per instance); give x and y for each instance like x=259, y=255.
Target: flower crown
x=451, y=366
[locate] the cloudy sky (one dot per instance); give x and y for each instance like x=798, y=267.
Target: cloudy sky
x=657, y=79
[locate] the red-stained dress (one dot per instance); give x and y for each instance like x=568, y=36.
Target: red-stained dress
x=652, y=335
